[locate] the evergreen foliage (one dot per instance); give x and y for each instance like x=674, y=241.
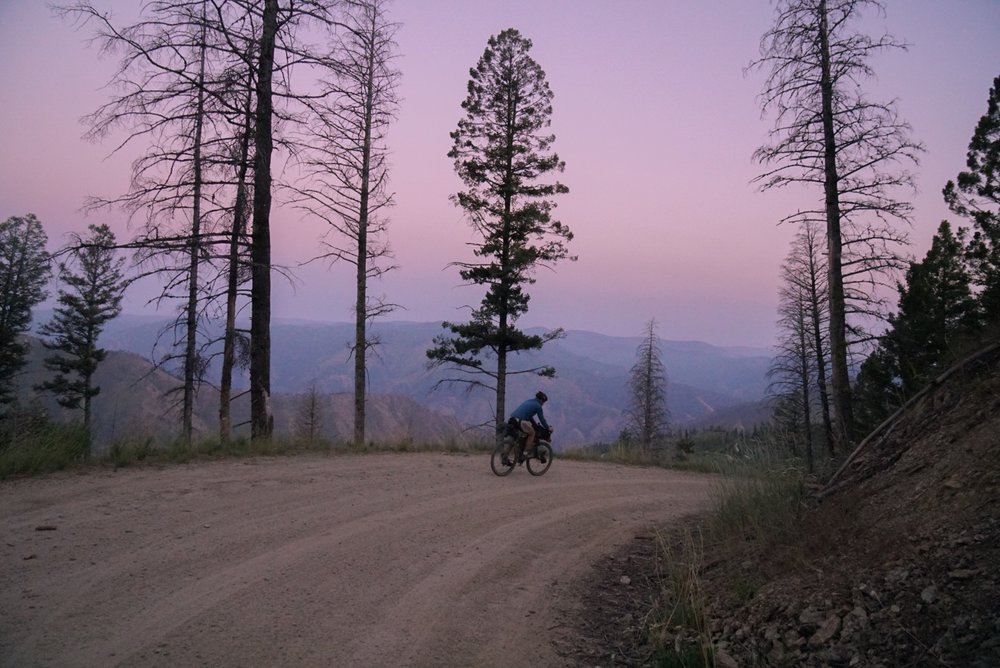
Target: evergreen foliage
x=950, y=297
x=24, y=271
x=91, y=297
x=936, y=309
x=976, y=195
x=503, y=157
x=936, y=312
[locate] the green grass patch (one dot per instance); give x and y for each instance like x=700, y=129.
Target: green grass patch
x=759, y=501
x=51, y=447
x=756, y=507
x=42, y=448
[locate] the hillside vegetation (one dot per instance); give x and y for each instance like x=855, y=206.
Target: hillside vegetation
x=708, y=385
x=895, y=563
x=138, y=402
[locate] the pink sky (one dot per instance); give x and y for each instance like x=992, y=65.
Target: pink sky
x=653, y=115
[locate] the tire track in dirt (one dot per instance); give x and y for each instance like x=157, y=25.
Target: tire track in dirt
x=416, y=559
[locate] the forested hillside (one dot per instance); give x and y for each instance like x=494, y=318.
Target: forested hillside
x=589, y=392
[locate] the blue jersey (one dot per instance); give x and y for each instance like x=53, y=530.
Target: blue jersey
x=530, y=409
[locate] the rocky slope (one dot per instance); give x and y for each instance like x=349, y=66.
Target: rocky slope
x=896, y=563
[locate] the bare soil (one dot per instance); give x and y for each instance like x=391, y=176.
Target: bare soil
x=895, y=564
x=407, y=559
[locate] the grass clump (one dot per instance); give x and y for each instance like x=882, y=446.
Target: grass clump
x=756, y=508
x=759, y=501
x=678, y=627
x=29, y=443
x=40, y=446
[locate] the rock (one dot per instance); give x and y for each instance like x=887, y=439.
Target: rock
x=826, y=632
x=811, y=617
x=626, y=580
x=929, y=594
x=724, y=660
x=898, y=575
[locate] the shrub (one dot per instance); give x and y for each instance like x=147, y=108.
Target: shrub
x=30, y=443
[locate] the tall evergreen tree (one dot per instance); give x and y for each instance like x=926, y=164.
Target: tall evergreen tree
x=503, y=156
x=828, y=134
x=977, y=196
x=24, y=271
x=91, y=297
x=648, y=414
x=936, y=311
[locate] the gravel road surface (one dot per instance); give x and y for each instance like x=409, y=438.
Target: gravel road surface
x=373, y=560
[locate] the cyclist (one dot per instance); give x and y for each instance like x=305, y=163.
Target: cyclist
x=524, y=416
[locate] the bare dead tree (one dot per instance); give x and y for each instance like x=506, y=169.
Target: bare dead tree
x=791, y=374
x=799, y=372
x=282, y=50
x=647, y=387
x=170, y=95
x=828, y=135
x=806, y=268
x=189, y=72
x=309, y=416
x=349, y=169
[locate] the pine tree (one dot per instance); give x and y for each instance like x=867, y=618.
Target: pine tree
x=503, y=156
x=977, y=196
x=936, y=311
x=91, y=297
x=649, y=417
x=24, y=271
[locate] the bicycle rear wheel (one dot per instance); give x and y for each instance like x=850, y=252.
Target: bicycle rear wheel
x=496, y=460
x=541, y=461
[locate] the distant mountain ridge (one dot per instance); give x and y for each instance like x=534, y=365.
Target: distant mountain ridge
x=588, y=395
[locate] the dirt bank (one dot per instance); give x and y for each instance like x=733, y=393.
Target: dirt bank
x=414, y=559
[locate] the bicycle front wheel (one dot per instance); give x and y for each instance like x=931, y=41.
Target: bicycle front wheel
x=541, y=461
x=496, y=461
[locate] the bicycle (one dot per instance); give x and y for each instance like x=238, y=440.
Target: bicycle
x=513, y=443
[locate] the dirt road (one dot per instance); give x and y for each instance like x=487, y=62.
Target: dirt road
x=412, y=559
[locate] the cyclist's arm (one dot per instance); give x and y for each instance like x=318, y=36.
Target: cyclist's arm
x=541, y=418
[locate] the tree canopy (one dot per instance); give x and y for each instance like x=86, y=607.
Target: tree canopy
x=93, y=284
x=25, y=266
x=504, y=157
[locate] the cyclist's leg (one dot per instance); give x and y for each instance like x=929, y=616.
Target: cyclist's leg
x=529, y=440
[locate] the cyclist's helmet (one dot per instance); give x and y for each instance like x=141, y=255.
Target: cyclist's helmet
x=541, y=396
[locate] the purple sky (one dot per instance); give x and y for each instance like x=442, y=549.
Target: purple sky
x=653, y=115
